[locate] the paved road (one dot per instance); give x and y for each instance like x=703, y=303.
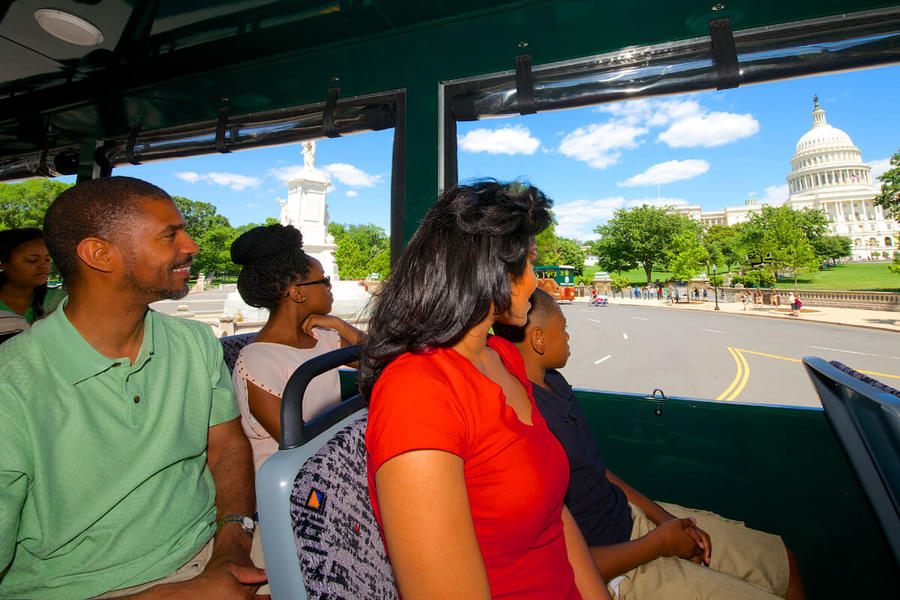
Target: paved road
x=715, y=356
x=210, y=301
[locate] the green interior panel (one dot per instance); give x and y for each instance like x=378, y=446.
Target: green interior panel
x=779, y=469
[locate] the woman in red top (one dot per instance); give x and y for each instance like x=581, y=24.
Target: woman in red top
x=466, y=480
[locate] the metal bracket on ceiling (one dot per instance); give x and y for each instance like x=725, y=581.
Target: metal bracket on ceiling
x=132, y=140
x=221, y=126
x=102, y=160
x=42, y=168
x=524, y=85
x=724, y=54
x=328, y=114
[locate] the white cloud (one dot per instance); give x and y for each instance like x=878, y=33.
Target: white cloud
x=667, y=172
x=577, y=219
x=660, y=202
x=512, y=139
x=652, y=113
x=712, y=129
x=343, y=172
x=775, y=195
x=879, y=167
x=188, y=176
x=350, y=175
x=352, y=194
x=286, y=173
x=599, y=144
x=232, y=180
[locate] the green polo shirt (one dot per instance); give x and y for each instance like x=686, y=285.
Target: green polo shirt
x=103, y=477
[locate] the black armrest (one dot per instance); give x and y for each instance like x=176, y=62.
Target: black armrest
x=293, y=431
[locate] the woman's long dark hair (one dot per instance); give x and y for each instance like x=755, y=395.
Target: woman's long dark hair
x=11, y=239
x=457, y=266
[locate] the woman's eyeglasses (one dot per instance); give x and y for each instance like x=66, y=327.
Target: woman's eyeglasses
x=326, y=281
x=323, y=281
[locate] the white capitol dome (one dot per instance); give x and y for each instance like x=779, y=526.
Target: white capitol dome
x=828, y=174
x=826, y=157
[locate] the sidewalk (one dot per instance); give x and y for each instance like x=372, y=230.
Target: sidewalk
x=854, y=317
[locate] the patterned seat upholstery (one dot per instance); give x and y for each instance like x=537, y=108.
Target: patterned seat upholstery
x=338, y=543
x=232, y=344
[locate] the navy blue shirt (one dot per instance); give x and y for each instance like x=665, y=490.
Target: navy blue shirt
x=599, y=506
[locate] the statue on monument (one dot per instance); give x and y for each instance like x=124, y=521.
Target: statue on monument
x=309, y=154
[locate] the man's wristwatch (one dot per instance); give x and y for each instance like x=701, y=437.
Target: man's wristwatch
x=246, y=523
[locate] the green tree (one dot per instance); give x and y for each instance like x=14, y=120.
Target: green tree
x=638, y=236
x=832, y=246
x=215, y=251
x=199, y=216
x=24, y=204
x=687, y=255
x=785, y=244
x=889, y=197
x=894, y=266
x=361, y=250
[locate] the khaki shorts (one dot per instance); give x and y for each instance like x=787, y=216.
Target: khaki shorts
x=746, y=564
x=192, y=569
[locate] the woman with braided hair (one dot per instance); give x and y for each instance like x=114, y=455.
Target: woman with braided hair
x=278, y=275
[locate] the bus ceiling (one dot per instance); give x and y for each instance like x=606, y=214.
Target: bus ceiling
x=156, y=79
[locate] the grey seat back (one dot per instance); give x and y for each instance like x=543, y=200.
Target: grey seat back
x=231, y=347
x=319, y=535
x=866, y=421
x=337, y=537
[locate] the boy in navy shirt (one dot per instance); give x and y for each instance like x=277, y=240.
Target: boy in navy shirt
x=662, y=550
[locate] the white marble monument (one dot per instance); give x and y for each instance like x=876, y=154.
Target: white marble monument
x=306, y=209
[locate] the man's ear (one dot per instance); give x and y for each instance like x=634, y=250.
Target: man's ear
x=535, y=337
x=98, y=254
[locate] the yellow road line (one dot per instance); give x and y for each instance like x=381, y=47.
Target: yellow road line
x=877, y=374
x=872, y=373
x=744, y=378
x=768, y=355
x=737, y=376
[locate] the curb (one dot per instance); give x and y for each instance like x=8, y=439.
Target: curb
x=752, y=314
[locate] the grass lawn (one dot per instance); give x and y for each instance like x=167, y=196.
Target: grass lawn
x=858, y=276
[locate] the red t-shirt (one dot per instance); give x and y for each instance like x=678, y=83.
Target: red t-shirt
x=516, y=474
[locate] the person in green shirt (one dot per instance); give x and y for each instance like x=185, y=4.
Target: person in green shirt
x=24, y=268
x=125, y=471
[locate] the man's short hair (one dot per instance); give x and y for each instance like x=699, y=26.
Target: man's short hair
x=542, y=305
x=97, y=208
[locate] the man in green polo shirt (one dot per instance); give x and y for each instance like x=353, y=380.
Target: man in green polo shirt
x=120, y=440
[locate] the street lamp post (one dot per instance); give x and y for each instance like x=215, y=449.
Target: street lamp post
x=715, y=287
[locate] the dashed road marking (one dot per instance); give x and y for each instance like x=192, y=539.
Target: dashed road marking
x=640, y=318
x=712, y=330
x=625, y=335
x=597, y=362
x=853, y=352
x=596, y=321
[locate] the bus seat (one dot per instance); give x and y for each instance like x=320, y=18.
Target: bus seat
x=865, y=417
x=320, y=538
x=232, y=344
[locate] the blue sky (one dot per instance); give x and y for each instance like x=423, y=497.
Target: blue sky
x=712, y=149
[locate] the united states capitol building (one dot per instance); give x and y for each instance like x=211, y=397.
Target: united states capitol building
x=827, y=173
